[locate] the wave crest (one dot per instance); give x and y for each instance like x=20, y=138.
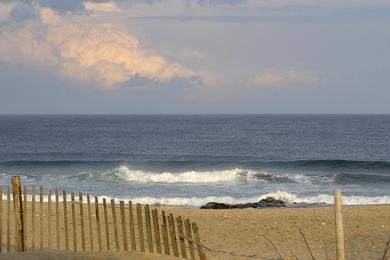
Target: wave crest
x=127, y=174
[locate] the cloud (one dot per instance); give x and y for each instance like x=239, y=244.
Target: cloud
x=5, y=10
x=101, y=7
x=77, y=46
x=273, y=77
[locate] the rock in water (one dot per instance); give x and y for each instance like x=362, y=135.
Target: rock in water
x=268, y=202
x=216, y=205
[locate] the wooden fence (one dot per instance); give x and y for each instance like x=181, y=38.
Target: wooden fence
x=85, y=223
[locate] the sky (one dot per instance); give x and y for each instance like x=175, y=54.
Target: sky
x=194, y=56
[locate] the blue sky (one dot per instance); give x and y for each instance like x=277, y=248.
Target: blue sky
x=205, y=56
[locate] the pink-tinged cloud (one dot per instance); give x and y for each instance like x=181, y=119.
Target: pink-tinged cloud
x=82, y=48
x=101, y=7
x=5, y=10
x=273, y=77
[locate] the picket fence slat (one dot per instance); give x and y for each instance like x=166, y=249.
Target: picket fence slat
x=165, y=233
x=90, y=222
x=140, y=229
x=106, y=224
x=74, y=234
x=116, y=236
x=98, y=223
x=57, y=219
x=49, y=218
x=66, y=230
x=41, y=218
x=123, y=222
x=132, y=228
x=81, y=207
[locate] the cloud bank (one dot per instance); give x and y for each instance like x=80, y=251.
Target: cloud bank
x=77, y=46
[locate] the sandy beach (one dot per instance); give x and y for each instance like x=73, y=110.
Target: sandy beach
x=248, y=233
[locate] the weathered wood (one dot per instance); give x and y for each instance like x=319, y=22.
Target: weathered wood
x=57, y=219
x=90, y=222
x=81, y=207
x=197, y=238
x=123, y=221
x=148, y=228
x=156, y=229
x=106, y=224
x=340, y=251
x=74, y=234
x=8, y=219
x=24, y=216
x=65, y=220
x=33, y=217
x=165, y=233
x=98, y=223
x=49, y=218
x=172, y=233
x=132, y=227
x=41, y=218
x=18, y=212
x=1, y=219
x=181, y=234
x=190, y=243
x=140, y=230
x=114, y=223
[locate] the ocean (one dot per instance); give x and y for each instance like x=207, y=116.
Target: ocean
x=189, y=160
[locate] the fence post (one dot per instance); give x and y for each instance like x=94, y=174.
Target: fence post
x=8, y=220
x=339, y=225
x=1, y=219
x=18, y=209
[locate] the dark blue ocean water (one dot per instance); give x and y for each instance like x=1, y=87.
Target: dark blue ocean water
x=193, y=159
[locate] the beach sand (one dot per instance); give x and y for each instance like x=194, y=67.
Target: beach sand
x=243, y=233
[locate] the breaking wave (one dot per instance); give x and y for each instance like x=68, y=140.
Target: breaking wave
x=125, y=174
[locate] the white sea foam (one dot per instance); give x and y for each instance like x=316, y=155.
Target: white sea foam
x=213, y=176
x=126, y=174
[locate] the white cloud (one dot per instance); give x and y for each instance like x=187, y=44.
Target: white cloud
x=79, y=47
x=5, y=10
x=274, y=77
x=101, y=7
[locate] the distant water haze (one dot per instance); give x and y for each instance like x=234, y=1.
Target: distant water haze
x=189, y=160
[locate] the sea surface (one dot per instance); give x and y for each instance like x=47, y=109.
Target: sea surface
x=189, y=160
